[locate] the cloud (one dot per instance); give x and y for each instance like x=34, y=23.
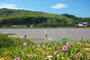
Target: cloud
x=59, y=6
x=10, y=6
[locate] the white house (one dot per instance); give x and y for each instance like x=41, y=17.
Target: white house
x=80, y=25
x=83, y=24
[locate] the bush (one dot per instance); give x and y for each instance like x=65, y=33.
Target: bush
x=5, y=41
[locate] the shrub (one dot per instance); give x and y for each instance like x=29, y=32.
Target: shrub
x=5, y=41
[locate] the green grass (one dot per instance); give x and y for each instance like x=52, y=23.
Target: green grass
x=10, y=48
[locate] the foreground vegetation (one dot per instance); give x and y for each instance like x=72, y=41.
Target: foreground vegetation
x=24, y=18
x=19, y=49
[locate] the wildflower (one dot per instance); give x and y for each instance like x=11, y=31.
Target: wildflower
x=80, y=54
x=70, y=44
x=63, y=58
x=38, y=46
x=35, y=55
x=56, y=51
x=67, y=44
x=43, y=46
x=48, y=57
x=47, y=52
x=1, y=58
x=64, y=48
x=25, y=44
x=17, y=58
x=6, y=53
x=30, y=55
x=6, y=58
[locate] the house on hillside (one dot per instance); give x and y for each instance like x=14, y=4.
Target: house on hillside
x=83, y=24
x=80, y=25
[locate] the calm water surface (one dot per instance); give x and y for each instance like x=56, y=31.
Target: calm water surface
x=38, y=35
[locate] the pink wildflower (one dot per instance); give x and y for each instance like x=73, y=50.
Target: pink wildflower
x=17, y=58
x=25, y=44
x=64, y=48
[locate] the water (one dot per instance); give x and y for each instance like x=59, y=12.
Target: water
x=38, y=35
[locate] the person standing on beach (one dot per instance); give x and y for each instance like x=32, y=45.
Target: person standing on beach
x=25, y=36
x=46, y=35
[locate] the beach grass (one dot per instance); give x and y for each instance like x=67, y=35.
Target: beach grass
x=24, y=49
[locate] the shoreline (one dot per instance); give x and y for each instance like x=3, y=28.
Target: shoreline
x=49, y=28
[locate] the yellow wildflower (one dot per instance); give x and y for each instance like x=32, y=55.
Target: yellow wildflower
x=63, y=58
x=6, y=53
x=1, y=58
x=5, y=58
x=30, y=55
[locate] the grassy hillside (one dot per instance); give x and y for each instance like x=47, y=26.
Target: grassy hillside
x=9, y=17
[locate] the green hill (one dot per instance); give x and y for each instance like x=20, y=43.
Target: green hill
x=10, y=17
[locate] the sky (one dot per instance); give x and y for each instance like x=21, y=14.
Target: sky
x=80, y=8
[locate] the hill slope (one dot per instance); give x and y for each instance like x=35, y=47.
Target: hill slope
x=9, y=17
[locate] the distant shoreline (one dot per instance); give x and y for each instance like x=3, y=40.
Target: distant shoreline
x=43, y=27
